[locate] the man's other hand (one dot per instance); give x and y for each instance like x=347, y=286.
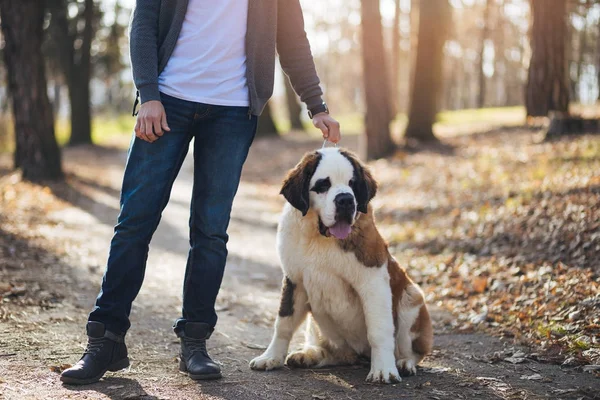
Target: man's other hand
x=329, y=126
x=151, y=121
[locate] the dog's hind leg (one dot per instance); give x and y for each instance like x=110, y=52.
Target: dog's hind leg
x=320, y=351
x=414, y=334
x=292, y=312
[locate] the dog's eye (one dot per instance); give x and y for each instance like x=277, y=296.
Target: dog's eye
x=321, y=186
x=351, y=183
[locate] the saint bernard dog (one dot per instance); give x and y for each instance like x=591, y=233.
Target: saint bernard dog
x=338, y=269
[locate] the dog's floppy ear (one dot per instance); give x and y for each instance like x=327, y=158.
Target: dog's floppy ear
x=365, y=186
x=296, y=184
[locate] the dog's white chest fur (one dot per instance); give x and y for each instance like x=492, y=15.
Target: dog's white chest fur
x=328, y=275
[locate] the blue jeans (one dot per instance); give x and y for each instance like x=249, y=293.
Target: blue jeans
x=223, y=136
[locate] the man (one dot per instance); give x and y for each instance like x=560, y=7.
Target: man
x=203, y=69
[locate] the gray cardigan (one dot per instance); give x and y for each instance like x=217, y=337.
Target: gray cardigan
x=154, y=31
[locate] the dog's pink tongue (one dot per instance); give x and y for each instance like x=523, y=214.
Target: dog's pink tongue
x=340, y=230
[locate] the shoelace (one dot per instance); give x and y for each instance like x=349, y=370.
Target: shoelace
x=195, y=345
x=94, y=345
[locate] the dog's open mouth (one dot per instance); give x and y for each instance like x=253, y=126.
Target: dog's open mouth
x=340, y=230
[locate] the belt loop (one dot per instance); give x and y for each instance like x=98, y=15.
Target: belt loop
x=135, y=103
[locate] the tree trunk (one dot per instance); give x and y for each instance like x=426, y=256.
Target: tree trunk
x=580, y=58
x=598, y=65
x=434, y=21
x=79, y=88
x=548, y=83
x=38, y=155
x=266, y=125
x=75, y=64
x=376, y=80
x=485, y=31
x=395, y=64
x=293, y=106
x=81, y=119
x=500, y=61
x=56, y=98
x=571, y=61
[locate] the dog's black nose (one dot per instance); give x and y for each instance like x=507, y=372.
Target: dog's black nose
x=344, y=201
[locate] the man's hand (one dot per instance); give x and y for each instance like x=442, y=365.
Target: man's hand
x=329, y=126
x=151, y=121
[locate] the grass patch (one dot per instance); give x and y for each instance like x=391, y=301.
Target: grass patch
x=353, y=123
x=501, y=116
x=106, y=129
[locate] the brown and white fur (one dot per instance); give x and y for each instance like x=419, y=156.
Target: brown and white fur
x=361, y=301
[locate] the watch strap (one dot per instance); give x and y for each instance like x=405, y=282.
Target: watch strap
x=318, y=109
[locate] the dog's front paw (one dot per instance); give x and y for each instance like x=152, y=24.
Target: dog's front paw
x=407, y=366
x=384, y=375
x=266, y=362
x=307, y=358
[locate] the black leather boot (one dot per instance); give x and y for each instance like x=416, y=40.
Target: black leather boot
x=105, y=351
x=194, y=358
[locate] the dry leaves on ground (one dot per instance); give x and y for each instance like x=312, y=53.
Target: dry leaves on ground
x=504, y=232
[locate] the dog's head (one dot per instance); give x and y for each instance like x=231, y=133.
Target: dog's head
x=335, y=184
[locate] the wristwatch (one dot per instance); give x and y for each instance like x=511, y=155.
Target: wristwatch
x=318, y=109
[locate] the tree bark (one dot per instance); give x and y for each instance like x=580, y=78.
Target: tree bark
x=434, y=21
x=81, y=115
x=583, y=44
x=76, y=65
x=266, y=124
x=38, y=154
x=56, y=98
x=293, y=106
x=376, y=80
x=395, y=64
x=485, y=31
x=548, y=82
x=500, y=61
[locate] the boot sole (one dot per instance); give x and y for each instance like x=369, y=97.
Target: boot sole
x=119, y=365
x=203, y=377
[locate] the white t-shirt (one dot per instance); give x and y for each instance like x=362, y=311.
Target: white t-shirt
x=208, y=64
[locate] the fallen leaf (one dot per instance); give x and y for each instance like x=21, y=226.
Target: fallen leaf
x=590, y=368
x=486, y=378
x=436, y=370
x=515, y=360
x=255, y=346
x=479, y=318
x=480, y=284
x=534, y=377
x=59, y=368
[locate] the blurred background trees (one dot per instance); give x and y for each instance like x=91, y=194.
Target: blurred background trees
x=36, y=152
x=388, y=67
x=547, y=84
x=426, y=90
x=379, y=103
x=71, y=30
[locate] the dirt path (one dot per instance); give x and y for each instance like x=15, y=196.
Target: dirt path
x=70, y=252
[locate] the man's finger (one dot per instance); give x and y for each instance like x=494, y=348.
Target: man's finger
x=148, y=131
x=157, y=128
x=136, y=128
x=321, y=125
x=141, y=133
x=334, y=131
x=163, y=122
